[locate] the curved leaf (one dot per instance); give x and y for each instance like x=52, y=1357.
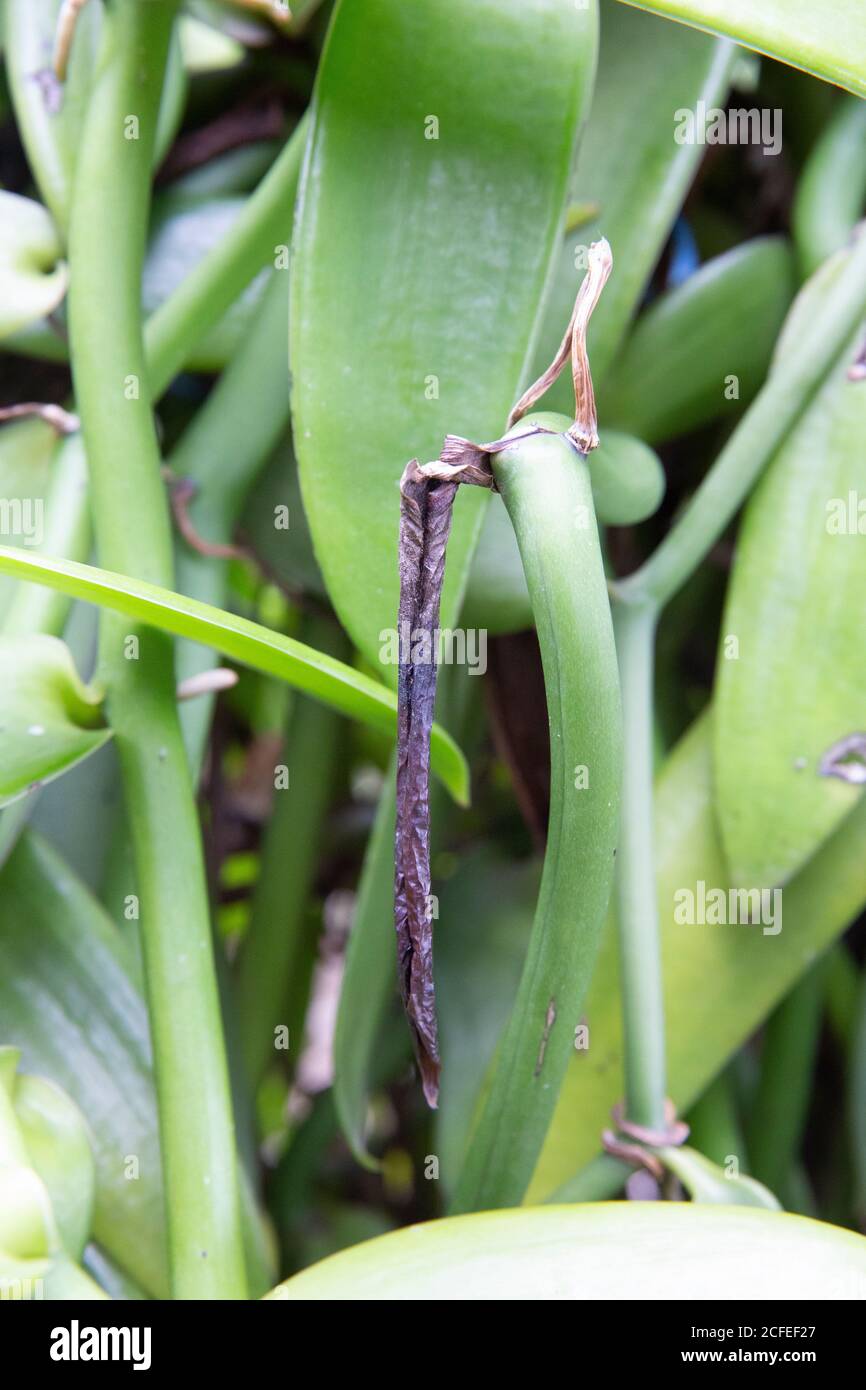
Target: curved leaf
x=832, y=188
x=424, y=236
x=314, y=673
x=706, y=1182
x=33, y=278
x=678, y=367
x=720, y=981
x=628, y=484
x=827, y=40
x=49, y=720
x=67, y=1001
x=630, y=173
x=618, y=1250
x=185, y=229
x=791, y=675
x=58, y=1142
x=477, y=975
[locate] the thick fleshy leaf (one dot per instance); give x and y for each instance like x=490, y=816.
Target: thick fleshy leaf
x=56, y=1279
x=707, y=1182
x=185, y=228
x=27, y=1229
x=828, y=40
x=205, y=49
x=49, y=720
x=43, y=1134
x=477, y=974
x=619, y=1250
x=58, y=1142
x=67, y=1000
x=831, y=191
x=631, y=174
x=316, y=674
x=33, y=278
x=701, y=351
x=791, y=675
x=424, y=237
x=720, y=981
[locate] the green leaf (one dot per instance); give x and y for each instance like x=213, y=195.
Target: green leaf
x=369, y=980
x=619, y=1250
x=827, y=40
x=49, y=720
x=477, y=974
x=316, y=674
x=628, y=480
x=27, y=1229
x=791, y=675
x=46, y=1185
x=676, y=369
x=33, y=278
x=832, y=188
x=720, y=981
x=67, y=1001
x=55, y=1280
x=707, y=1182
x=58, y=1142
x=631, y=169
x=205, y=49
x=420, y=262
x=185, y=229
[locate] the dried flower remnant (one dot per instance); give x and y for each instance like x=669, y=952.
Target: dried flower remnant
x=427, y=493
x=846, y=760
x=62, y=421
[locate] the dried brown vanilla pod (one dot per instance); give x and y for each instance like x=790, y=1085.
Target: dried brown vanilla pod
x=425, y=521
x=427, y=493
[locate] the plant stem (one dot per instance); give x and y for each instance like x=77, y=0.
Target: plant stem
x=637, y=602
x=170, y=335
x=637, y=909
x=241, y=421
x=109, y=220
x=759, y=434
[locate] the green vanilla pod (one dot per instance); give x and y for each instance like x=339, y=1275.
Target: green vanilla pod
x=541, y=469
x=545, y=483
